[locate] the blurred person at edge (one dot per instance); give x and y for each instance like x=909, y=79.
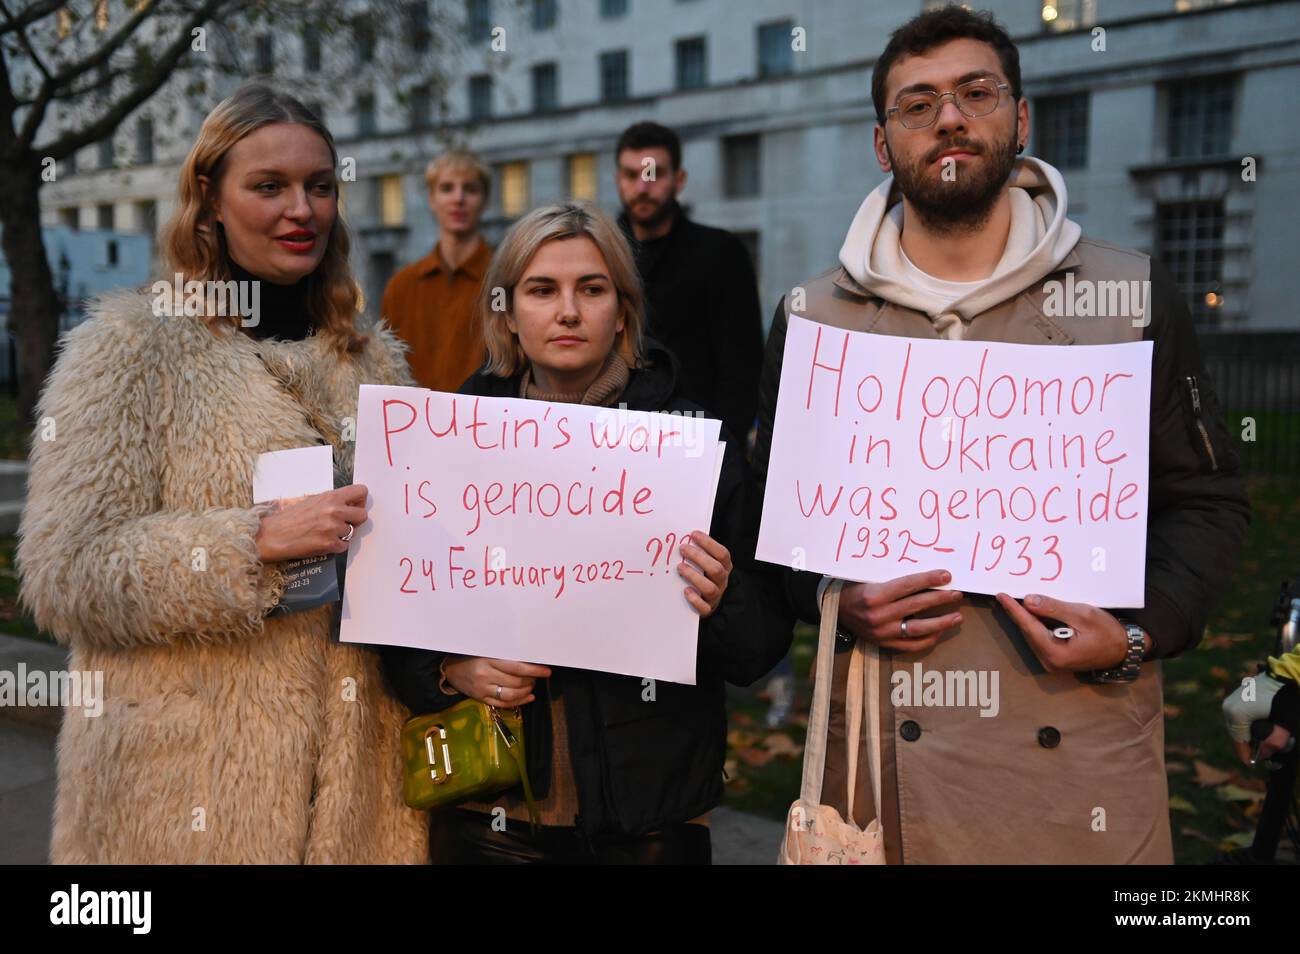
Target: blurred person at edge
x=619, y=778
x=227, y=737
x=430, y=303
x=1081, y=723
x=700, y=289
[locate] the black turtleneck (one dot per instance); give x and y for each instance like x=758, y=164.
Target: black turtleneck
x=282, y=309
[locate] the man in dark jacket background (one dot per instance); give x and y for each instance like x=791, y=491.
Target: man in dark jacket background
x=699, y=281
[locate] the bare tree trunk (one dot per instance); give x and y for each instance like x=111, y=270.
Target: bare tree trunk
x=34, y=302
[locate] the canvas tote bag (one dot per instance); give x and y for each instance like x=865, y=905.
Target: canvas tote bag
x=815, y=834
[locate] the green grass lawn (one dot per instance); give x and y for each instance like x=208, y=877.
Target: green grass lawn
x=1213, y=798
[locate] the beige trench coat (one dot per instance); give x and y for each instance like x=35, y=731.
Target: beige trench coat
x=1066, y=772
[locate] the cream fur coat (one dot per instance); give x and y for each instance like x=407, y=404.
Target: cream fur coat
x=224, y=738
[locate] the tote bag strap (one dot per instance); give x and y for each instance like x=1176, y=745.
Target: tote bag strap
x=814, y=756
x=864, y=674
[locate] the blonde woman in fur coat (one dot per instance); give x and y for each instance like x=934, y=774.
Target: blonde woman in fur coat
x=226, y=736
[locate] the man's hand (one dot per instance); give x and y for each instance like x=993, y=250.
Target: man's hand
x=1097, y=641
x=876, y=611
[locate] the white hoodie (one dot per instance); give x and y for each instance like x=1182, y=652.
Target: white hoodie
x=1039, y=239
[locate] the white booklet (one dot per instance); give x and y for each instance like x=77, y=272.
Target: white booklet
x=286, y=477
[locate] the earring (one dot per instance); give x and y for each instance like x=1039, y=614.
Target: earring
x=1020, y=148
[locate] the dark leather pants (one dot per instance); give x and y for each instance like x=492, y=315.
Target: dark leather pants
x=459, y=837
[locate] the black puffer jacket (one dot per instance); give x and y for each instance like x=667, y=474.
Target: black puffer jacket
x=640, y=766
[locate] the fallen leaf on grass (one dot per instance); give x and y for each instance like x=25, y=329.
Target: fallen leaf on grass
x=1235, y=793
x=1177, y=767
x=1179, y=804
x=1172, y=712
x=1187, y=751
x=1218, y=672
x=1241, y=839
x=1184, y=688
x=1193, y=833
x=740, y=739
x=779, y=744
x=741, y=718
x=1207, y=774
x=754, y=757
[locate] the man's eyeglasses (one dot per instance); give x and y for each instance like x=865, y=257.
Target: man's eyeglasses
x=977, y=98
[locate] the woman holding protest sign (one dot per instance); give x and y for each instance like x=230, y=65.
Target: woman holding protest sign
x=624, y=769
x=228, y=735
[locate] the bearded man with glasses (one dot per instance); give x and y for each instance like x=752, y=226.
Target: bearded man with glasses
x=961, y=242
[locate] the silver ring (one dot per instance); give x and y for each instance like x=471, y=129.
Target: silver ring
x=902, y=628
x=498, y=693
x=351, y=530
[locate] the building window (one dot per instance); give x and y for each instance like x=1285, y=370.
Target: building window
x=264, y=54
x=692, y=63
x=775, y=52
x=105, y=147
x=1061, y=15
x=144, y=141
x=740, y=163
x=311, y=48
x=582, y=176
x=417, y=26
x=363, y=39
x=1199, y=117
x=1061, y=130
x=70, y=217
x=545, y=88
x=514, y=189
x=478, y=19
x=104, y=217
x=1189, y=241
x=70, y=163
x=609, y=9
x=366, y=124
x=543, y=14
x=480, y=96
x=420, y=101
x=390, y=201
x=613, y=76
x=146, y=217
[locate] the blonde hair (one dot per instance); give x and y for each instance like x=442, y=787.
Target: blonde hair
x=505, y=357
x=461, y=159
x=193, y=245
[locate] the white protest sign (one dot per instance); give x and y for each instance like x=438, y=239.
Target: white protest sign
x=1018, y=468
x=528, y=530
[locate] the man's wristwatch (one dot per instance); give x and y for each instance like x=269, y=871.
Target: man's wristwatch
x=1128, y=668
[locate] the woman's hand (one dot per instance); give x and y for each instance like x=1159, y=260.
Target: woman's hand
x=313, y=526
x=498, y=682
x=707, y=568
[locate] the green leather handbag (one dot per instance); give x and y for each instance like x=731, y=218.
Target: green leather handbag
x=467, y=750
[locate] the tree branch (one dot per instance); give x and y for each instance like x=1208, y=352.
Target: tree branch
x=65, y=76
x=29, y=16
x=145, y=86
